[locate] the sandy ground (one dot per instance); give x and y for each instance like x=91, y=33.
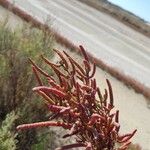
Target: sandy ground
x=134, y=109
x=104, y=37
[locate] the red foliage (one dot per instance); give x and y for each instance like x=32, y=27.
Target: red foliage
x=78, y=103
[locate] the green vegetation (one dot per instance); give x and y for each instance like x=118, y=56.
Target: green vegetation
x=18, y=104
x=7, y=137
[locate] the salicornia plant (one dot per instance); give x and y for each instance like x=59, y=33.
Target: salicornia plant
x=78, y=105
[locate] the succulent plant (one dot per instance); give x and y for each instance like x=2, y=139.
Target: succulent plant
x=78, y=105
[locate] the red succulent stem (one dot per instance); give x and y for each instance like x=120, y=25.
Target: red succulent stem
x=62, y=58
x=117, y=116
x=126, y=137
x=39, y=69
x=124, y=146
x=93, y=71
x=84, y=52
x=110, y=93
x=67, y=147
x=43, y=124
x=54, y=84
x=37, y=76
x=89, y=146
x=75, y=64
x=87, y=67
x=50, y=90
x=48, y=99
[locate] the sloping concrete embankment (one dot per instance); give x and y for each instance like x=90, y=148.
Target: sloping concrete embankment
x=136, y=85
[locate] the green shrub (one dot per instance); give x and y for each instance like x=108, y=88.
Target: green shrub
x=7, y=136
x=16, y=79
